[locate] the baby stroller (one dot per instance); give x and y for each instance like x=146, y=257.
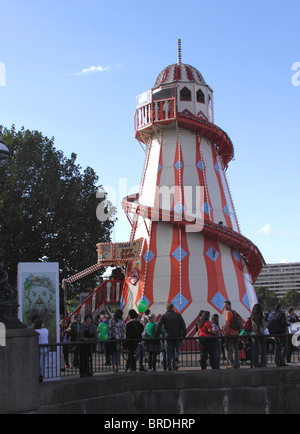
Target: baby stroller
x=242, y=351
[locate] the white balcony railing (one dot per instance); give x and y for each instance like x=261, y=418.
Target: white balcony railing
x=155, y=112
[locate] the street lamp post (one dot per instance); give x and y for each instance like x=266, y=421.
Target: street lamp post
x=4, y=152
x=8, y=300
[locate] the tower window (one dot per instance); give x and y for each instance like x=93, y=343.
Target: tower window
x=185, y=94
x=200, y=96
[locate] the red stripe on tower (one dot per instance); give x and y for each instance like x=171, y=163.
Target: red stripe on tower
x=223, y=199
x=145, y=291
x=180, y=294
x=159, y=172
x=217, y=293
x=207, y=208
x=239, y=270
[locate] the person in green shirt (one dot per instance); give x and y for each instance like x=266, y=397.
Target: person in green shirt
x=152, y=344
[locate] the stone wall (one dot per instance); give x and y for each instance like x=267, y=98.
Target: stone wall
x=257, y=391
x=19, y=372
x=244, y=391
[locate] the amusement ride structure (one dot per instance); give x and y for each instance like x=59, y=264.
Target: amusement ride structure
x=186, y=247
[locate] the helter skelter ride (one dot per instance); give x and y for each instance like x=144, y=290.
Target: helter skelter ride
x=185, y=245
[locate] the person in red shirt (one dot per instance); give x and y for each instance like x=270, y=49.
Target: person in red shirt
x=205, y=329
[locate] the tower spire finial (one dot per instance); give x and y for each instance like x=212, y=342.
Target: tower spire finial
x=178, y=51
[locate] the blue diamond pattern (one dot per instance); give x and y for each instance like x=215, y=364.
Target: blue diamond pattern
x=236, y=255
x=159, y=167
x=218, y=301
x=148, y=256
x=200, y=165
x=206, y=208
x=176, y=254
x=246, y=301
x=176, y=302
x=212, y=254
x=179, y=165
x=217, y=168
x=122, y=302
x=178, y=207
x=226, y=210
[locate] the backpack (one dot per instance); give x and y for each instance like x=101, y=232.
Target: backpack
x=277, y=324
x=237, y=323
x=248, y=325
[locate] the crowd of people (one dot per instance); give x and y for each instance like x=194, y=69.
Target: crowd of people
x=163, y=338
x=139, y=335
x=253, y=332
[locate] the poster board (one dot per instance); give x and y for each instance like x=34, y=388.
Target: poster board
x=128, y=251
x=105, y=252
x=38, y=290
x=119, y=253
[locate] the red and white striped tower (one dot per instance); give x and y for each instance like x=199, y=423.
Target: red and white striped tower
x=193, y=254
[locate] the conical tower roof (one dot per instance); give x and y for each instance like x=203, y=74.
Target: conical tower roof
x=179, y=72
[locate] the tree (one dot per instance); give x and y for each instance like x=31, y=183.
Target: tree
x=266, y=298
x=291, y=298
x=48, y=207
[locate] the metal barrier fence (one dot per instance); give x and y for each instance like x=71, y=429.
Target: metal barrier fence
x=86, y=359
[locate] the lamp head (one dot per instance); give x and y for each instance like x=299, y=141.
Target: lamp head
x=4, y=152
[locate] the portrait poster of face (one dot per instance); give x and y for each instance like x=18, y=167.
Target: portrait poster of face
x=38, y=290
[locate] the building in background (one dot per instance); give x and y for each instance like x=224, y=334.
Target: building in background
x=280, y=278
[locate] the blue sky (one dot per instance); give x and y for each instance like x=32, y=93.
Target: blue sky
x=245, y=51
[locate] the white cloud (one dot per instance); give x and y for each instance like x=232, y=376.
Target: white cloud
x=93, y=69
x=265, y=230
x=96, y=69
x=284, y=261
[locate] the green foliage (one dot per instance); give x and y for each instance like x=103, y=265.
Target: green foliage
x=291, y=298
x=48, y=207
x=266, y=298
x=72, y=304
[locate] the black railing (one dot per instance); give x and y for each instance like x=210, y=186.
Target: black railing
x=86, y=359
